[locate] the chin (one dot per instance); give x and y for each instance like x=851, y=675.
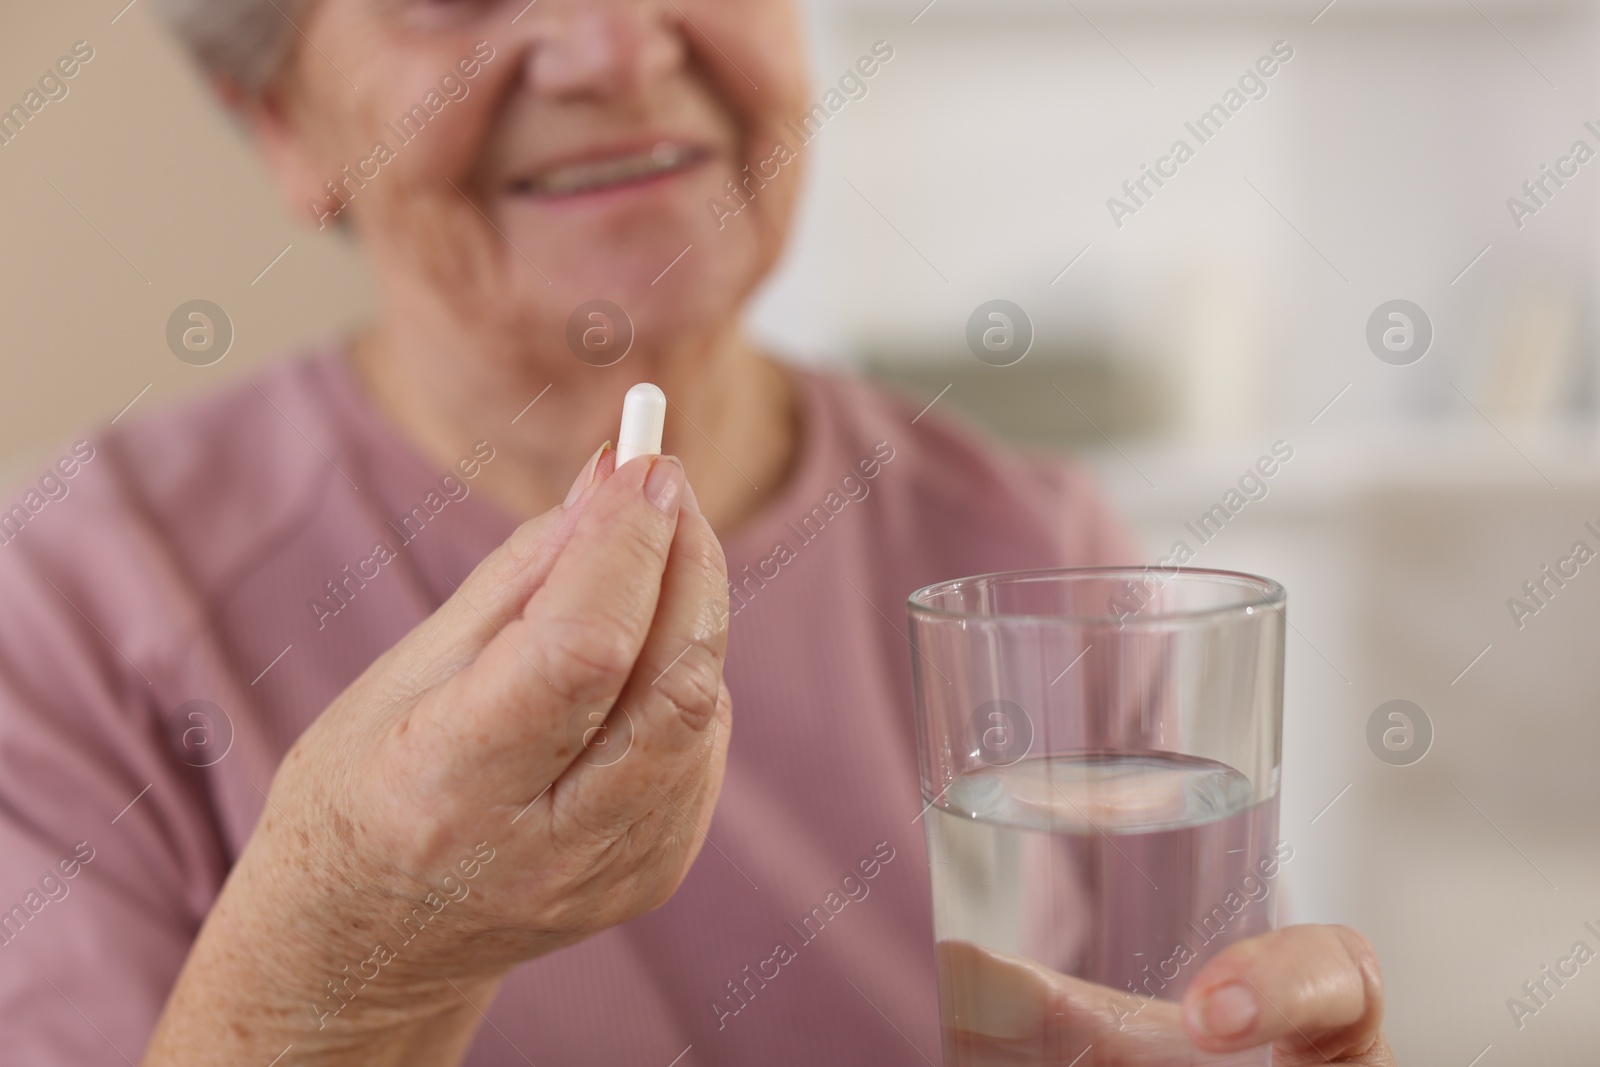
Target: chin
x=631, y=250
x=624, y=245
x=701, y=296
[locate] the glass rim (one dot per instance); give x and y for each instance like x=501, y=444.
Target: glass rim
x=1269, y=593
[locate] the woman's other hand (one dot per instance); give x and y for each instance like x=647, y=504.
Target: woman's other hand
x=1313, y=993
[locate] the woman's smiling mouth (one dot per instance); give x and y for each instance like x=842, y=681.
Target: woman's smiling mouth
x=666, y=158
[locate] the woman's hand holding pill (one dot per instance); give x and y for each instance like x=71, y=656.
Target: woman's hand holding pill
x=443, y=820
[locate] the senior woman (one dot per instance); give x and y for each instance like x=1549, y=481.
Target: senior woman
x=300, y=692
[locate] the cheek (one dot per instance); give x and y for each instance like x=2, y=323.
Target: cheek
x=760, y=47
x=769, y=52
x=395, y=74
x=411, y=206
x=431, y=145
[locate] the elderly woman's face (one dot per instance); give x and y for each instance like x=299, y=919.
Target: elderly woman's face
x=505, y=161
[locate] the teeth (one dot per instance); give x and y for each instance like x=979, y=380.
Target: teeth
x=583, y=177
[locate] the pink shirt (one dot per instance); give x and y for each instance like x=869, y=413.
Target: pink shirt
x=224, y=554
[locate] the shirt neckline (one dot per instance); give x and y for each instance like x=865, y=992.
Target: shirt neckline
x=402, y=467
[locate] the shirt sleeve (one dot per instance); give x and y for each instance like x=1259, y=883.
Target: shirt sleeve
x=109, y=857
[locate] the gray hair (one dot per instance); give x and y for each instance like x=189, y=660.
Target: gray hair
x=245, y=42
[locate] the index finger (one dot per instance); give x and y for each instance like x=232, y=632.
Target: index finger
x=491, y=596
x=499, y=726
x=672, y=698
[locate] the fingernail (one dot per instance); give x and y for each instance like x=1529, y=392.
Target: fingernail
x=665, y=483
x=585, y=476
x=688, y=494
x=1229, y=1011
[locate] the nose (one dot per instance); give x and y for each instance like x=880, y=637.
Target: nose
x=604, y=49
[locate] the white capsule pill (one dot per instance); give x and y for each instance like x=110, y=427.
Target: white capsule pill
x=644, y=413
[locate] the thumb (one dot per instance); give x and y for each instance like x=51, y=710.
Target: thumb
x=1315, y=991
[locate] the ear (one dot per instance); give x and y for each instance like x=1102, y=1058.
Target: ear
x=284, y=147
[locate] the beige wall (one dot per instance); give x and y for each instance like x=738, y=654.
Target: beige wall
x=159, y=172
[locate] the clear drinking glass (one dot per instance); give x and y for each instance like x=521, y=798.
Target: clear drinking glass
x=1100, y=754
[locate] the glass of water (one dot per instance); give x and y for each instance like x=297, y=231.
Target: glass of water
x=1100, y=754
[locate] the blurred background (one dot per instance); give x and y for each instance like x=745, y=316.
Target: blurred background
x=1229, y=312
